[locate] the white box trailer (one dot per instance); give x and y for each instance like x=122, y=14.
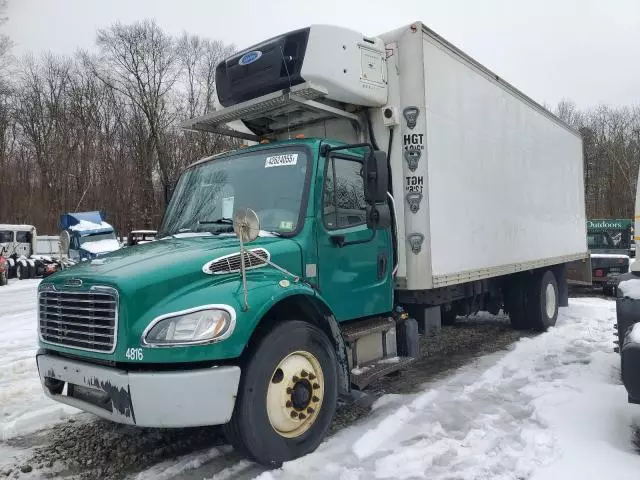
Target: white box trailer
x=491, y=182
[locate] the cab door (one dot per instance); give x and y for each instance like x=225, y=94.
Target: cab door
x=354, y=261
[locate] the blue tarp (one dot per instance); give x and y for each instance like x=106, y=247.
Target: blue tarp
x=69, y=219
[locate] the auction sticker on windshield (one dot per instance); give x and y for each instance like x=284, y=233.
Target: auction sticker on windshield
x=281, y=160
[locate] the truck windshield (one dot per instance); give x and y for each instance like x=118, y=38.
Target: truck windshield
x=23, y=237
x=6, y=236
x=96, y=237
x=271, y=182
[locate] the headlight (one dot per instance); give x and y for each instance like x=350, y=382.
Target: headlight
x=190, y=327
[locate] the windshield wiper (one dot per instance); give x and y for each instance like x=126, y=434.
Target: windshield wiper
x=218, y=221
x=225, y=222
x=229, y=221
x=162, y=235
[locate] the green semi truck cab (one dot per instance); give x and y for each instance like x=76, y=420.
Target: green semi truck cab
x=178, y=300
x=306, y=264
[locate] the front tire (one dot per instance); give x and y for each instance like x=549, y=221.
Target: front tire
x=287, y=395
x=4, y=278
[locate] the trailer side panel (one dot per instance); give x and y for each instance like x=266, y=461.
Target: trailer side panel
x=505, y=181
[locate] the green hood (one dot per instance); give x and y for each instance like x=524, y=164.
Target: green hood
x=166, y=275
x=161, y=268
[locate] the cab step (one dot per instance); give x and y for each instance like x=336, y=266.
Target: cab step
x=354, y=332
x=362, y=376
x=379, y=346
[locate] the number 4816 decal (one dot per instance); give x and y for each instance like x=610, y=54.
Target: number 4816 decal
x=134, y=354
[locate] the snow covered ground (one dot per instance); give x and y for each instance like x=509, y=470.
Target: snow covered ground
x=550, y=407
x=23, y=405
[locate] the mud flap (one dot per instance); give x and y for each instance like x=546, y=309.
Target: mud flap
x=563, y=286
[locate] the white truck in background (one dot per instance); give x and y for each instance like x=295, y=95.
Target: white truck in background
x=27, y=256
x=85, y=235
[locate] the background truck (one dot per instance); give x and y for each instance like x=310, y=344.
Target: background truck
x=85, y=235
x=341, y=248
x=4, y=268
x=19, y=243
x=137, y=237
x=609, y=242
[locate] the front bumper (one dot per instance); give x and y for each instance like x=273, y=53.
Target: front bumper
x=182, y=398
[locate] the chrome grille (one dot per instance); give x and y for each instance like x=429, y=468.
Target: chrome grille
x=85, y=320
x=232, y=264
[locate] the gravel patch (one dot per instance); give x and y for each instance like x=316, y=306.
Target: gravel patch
x=111, y=451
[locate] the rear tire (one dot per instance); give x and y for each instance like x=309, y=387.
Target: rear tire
x=544, y=301
x=532, y=302
x=290, y=374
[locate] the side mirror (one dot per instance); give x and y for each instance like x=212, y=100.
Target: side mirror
x=376, y=178
x=376, y=186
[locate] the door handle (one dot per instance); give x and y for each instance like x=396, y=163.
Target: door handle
x=382, y=265
x=337, y=240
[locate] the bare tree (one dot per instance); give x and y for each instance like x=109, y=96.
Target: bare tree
x=139, y=62
x=611, y=147
x=5, y=41
x=198, y=59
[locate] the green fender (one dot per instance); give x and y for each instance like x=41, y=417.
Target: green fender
x=310, y=300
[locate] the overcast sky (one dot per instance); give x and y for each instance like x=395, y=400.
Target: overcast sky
x=585, y=50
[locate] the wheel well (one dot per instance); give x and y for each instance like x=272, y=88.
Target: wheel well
x=312, y=310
